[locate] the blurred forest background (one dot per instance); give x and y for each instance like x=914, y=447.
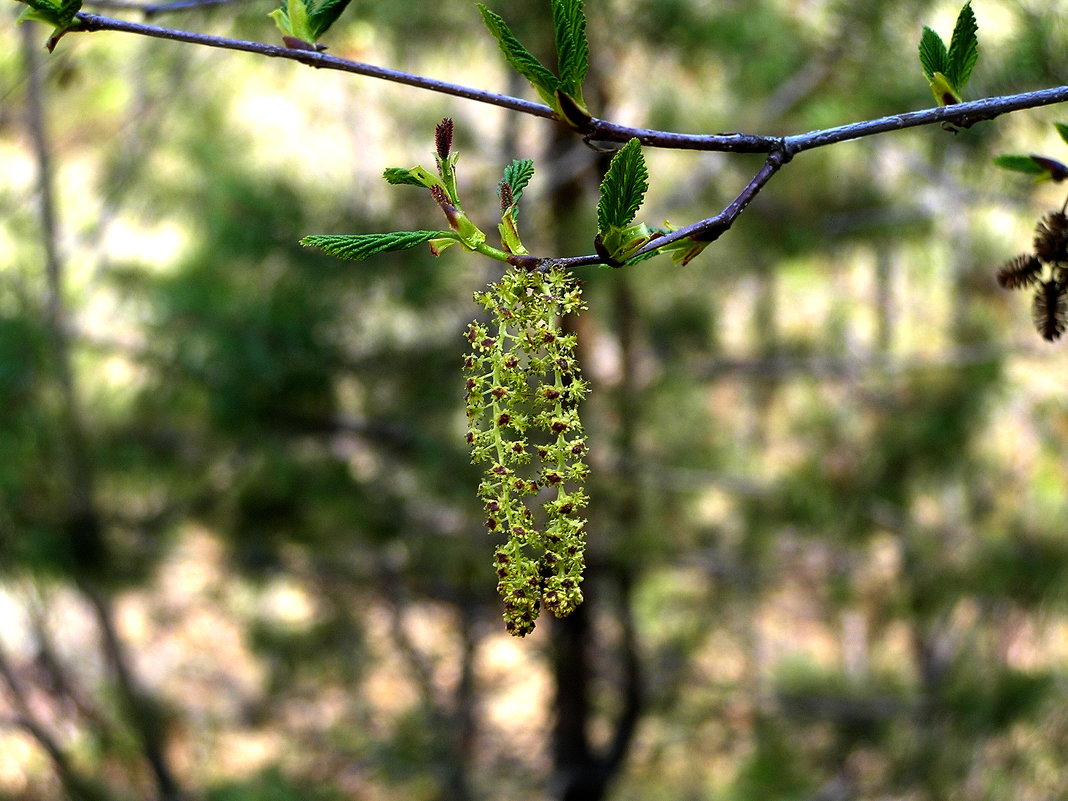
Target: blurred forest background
x=241, y=557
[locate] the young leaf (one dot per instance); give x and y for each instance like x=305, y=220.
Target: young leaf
x=517, y=175
x=292, y=21
x=1024, y=164
x=59, y=15
x=325, y=15
x=623, y=188
x=357, y=247
x=414, y=176
x=572, y=49
x=963, y=49
x=933, y=54
x=1062, y=129
x=521, y=59
x=400, y=176
x=1054, y=169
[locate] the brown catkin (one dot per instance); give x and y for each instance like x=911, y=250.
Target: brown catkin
x=1050, y=310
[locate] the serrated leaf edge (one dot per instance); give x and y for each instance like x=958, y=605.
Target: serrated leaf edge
x=933, y=54
x=623, y=188
x=572, y=47
x=963, y=48
x=516, y=54
x=358, y=247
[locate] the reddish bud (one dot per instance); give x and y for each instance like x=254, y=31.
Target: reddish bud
x=504, y=189
x=443, y=137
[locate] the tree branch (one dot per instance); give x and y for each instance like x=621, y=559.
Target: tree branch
x=604, y=131
x=93, y=22
x=961, y=114
x=784, y=149
x=602, y=134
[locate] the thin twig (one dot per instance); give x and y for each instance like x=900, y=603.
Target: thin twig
x=712, y=228
x=962, y=114
x=93, y=22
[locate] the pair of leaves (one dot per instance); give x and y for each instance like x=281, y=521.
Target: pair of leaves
x=302, y=22
x=948, y=69
x=618, y=238
x=60, y=15
x=1039, y=166
x=357, y=247
x=563, y=92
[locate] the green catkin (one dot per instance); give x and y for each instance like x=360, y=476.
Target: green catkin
x=523, y=390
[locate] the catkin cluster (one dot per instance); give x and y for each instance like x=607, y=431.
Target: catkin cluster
x=1046, y=269
x=523, y=390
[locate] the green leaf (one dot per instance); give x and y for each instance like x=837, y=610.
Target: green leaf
x=399, y=176
x=67, y=10
x=1062, y=129
x=292, y=20
x=521, y=59
x=1054, y=170
x=413, y=176
x=623, y=188
x=59, y=15
x=963, y=49
x=357, y=247
x=325, y=15
x=1015, y=163
x=517, y=175
x=572, y=49
x=933, y=54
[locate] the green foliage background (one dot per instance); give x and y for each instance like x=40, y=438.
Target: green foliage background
x=828, y=513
